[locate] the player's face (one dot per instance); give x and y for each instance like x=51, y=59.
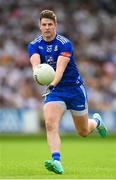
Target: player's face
x=48, y=29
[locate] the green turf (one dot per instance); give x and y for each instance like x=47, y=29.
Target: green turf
x=82, y=158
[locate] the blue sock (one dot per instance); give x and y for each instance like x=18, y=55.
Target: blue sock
x=56, y=156
x=98, y=122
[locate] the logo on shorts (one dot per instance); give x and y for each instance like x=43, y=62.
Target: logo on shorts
x=80, y=105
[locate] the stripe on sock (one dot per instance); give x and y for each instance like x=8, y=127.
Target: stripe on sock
x=56, y=156
x=97, y=121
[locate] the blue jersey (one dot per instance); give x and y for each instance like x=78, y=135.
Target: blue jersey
x=70, y=90
x=49, y=53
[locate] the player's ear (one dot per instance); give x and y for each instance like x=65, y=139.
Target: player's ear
x=39, y=24
x=56, y=24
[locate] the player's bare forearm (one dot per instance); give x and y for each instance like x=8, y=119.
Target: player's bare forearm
x=61, y=66
x=58, y=77
x=35, y=60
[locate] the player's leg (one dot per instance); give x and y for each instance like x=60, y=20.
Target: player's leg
x=53, y=112
x=83, y=125
x=79, y=110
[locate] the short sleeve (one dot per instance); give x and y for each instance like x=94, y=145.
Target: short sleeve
x=66, y=49
x=32, y=49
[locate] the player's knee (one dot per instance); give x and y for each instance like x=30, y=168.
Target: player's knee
x=83, y=133
x=50, y=126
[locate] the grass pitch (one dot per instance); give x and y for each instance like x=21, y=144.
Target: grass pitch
x=22, y=157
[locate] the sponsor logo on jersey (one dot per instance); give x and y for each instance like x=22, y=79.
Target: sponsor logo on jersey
x=50, y=61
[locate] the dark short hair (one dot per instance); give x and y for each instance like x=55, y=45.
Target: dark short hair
x=48, y=14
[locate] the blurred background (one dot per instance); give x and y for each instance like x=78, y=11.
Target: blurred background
x=91, y=26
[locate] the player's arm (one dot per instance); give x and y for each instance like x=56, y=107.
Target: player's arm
x=35, y=60
x=34, y=54
x=62, y=62
x=60, y=68
x=34, y=57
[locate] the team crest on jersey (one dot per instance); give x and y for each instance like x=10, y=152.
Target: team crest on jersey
x=49, y=48
x=56, y=48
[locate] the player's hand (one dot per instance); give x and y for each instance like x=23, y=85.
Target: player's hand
x=48, y=90
x=34, y=74
x=35, y=78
